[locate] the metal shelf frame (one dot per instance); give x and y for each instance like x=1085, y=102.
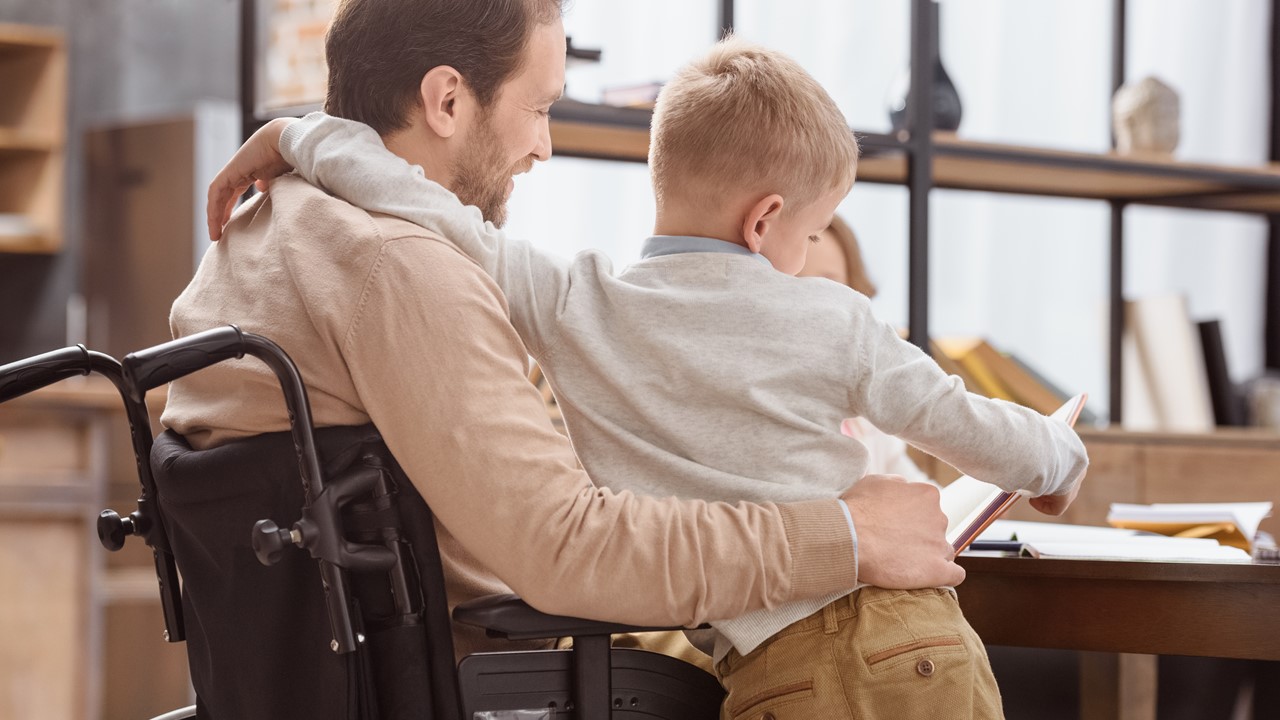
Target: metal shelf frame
x=623, y=135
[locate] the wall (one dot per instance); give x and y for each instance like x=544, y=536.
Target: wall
x=129, y=59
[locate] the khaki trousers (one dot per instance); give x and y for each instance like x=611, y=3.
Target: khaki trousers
x=874, y=655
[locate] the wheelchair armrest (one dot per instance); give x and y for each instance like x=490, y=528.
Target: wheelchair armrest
x=509, y=617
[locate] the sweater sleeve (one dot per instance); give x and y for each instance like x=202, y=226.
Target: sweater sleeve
x=348, y=158
x=903, y=392
x=441, y=373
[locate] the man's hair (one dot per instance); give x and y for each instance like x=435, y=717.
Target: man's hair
x=747, y=118
x=378, y=51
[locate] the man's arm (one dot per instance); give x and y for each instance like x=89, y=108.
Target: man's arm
x=440, y=372
x=348, y=159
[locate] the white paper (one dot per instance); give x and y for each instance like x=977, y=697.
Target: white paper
x=1145, y=548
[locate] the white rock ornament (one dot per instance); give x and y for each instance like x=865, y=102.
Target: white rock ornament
x=1145, y=118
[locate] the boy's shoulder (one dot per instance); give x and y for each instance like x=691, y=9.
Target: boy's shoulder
x=313, y=228
x=327, y=246
x=313, y=214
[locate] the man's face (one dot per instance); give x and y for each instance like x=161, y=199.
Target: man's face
x=507, y=137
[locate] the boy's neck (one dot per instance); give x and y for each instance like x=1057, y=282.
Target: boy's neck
x=690, y=225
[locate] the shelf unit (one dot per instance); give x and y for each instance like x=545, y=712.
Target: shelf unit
x=33, y=73
x=922, y=160
x=595, y=131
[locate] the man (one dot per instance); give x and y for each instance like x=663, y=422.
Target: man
x=393, y=325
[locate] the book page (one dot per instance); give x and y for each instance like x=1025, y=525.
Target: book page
x=963, y=499
x=1164, y=549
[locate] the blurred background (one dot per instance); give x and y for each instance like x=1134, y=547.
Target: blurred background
x=135, y=104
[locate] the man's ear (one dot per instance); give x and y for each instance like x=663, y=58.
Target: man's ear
x=759, y=220
x=439, y=92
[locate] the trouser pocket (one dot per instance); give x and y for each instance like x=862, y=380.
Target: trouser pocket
x=780, y=702
x=913, y=655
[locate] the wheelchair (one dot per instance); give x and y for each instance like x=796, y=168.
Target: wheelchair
x=254, y=612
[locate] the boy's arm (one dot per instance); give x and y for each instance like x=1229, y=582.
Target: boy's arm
x=902, y=391
x=348, y=159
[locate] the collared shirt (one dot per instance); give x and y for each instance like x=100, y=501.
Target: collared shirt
x=659, y=245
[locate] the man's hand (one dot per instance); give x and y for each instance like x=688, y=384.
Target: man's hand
x=902, y=543
x=1056, y=504
x=256, y=162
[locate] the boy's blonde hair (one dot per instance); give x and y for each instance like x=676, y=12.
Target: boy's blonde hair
x=745, y=118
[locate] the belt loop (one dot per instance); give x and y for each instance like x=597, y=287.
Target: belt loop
x=829, y=623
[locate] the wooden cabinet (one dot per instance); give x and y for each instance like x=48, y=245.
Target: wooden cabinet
x=33, y=75
x=81, y=627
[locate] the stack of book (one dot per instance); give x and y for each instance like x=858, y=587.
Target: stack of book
x=1175, y=369
x=987, y=371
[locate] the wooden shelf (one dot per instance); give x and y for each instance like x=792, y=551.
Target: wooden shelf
x=609, y=133
x=20, y=141
x=15, y=37
x=581, y=130
x=33, y=73
x=29, y=244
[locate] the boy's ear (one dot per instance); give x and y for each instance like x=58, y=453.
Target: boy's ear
x=759, y=220
x=439, y=92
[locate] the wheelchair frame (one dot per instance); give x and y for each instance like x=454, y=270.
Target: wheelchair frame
x=585, y=676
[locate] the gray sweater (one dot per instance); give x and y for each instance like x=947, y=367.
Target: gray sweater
x=710, y=370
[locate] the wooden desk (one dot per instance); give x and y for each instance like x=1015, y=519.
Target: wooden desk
x=1122, y=615
x=1218, y=610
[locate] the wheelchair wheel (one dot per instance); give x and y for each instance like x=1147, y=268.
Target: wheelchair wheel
x=186, y=713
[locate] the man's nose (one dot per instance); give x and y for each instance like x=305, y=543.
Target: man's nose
x=542, y=151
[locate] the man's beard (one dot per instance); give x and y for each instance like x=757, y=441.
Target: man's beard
x=481, y=175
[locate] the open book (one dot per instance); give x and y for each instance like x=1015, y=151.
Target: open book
x=971, y=505
x=1057, y=540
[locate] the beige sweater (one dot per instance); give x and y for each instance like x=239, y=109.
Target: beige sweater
x=393, y=325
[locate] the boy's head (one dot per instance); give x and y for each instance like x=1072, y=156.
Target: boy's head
x=747, y=147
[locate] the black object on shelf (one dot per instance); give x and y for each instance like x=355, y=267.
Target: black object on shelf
x=577, y=53
x=947, y=109
x=1228, y=410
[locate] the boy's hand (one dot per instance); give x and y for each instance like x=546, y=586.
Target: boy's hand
x=1055, y=504
x=256, y=162
x=902, y=534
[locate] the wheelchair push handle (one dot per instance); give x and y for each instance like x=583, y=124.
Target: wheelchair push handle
x=30, y=374
x=162, y=364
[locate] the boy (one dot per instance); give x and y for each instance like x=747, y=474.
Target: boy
x=703, y=360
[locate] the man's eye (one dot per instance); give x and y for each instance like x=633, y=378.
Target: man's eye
x=814, y=238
